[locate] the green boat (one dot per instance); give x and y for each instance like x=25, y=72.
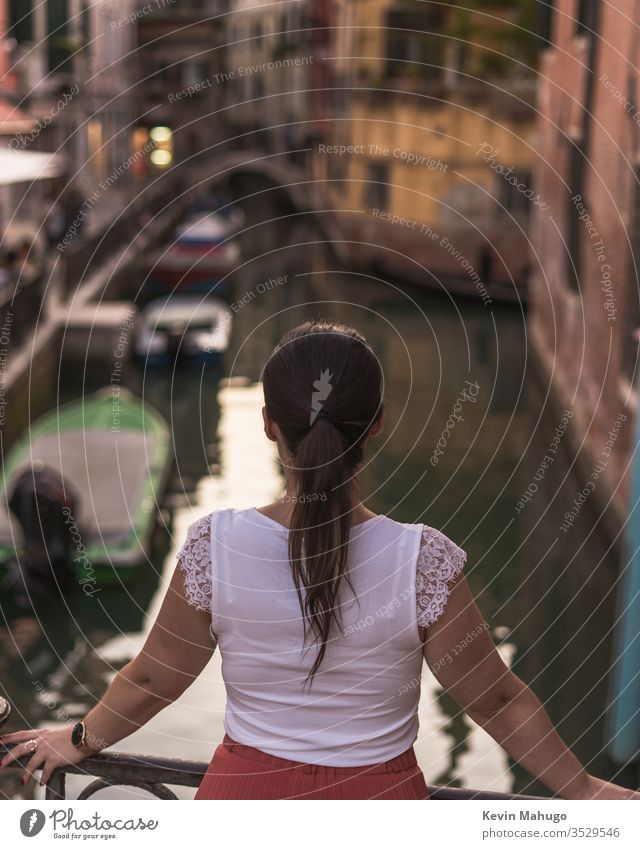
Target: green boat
x=83, y=486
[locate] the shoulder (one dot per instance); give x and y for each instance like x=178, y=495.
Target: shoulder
x=198, y=532
x=201, y=532
x=384, y=524
x=438, y=551
x=194, y=561
x=440, y=562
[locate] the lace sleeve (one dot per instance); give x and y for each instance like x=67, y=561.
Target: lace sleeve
x=440, y=561
x=194, y=559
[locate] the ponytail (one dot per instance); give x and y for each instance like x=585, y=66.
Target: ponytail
x=324, y=431
x=319, y=529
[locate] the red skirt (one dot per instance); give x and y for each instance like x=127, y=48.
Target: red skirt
x=242, y=772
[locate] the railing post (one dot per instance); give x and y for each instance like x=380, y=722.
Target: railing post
x=55, y=788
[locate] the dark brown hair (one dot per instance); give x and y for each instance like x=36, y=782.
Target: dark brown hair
x=323, y=388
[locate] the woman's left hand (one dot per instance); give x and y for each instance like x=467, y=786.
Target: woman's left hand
x=54, y=748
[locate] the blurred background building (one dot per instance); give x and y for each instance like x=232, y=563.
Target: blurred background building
x=181, y=50
x=585, y=311
x=268, y=71
x=60, y=47
x=451, y=86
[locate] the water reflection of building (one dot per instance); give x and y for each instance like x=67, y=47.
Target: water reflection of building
x=585, y=295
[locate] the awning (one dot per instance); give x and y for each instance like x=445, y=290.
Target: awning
x=24, y=166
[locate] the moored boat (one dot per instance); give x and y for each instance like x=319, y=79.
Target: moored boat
x=214, y=202
x=202, y=251
x=184, y=325
x=81, y=492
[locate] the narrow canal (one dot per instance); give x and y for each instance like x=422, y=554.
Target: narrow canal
x=545, y=594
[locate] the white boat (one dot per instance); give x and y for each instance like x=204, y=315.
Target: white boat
x=230, y=213
x=184, y=325
x=207, y=228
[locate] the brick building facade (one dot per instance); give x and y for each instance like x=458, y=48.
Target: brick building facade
x=585, y=246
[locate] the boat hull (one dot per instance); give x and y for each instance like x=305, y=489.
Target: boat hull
x=183, y=327
x=165, y=360
x=114, y=451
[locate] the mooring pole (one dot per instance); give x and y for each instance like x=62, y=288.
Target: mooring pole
x=624, y=692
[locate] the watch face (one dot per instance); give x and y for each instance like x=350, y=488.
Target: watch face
x=77, y=734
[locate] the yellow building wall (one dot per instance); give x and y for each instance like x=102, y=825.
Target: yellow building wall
x=449, y=133
x=448, y=136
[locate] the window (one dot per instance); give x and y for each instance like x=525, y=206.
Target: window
x=21, y=20
x=587, y=22
x=337, y=171
x=57, y=31
x=161, y=72
x=85, y=23
x=511, y=192
x=458, y=55
x=192, y=73
x=415, y=46
x=586, y=17
x=574, y=226
x=544, y=22
x=632, y=97
x=283, y=35
x=376, y=189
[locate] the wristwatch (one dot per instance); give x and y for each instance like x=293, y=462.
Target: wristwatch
x=79, y=735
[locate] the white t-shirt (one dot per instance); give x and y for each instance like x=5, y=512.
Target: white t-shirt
x=362, y=705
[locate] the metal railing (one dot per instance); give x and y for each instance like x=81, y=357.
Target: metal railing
x=151, y=774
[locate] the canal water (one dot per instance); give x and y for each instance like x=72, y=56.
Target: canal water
x=546, y=596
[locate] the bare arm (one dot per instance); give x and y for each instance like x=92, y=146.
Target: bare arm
x=498, y=701
x=175, y=653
